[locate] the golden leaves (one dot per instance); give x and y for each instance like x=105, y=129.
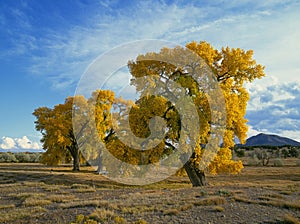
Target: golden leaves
x=232, y=67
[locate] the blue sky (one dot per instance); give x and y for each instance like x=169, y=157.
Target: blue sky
x=46, y=46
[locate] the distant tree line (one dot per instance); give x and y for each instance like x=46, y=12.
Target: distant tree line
x=20, y=157
x=265, y=147
x=263, y=154
x=278, y=151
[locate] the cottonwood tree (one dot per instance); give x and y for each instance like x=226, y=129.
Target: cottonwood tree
x=61, y=141
x=230, y=67
x=58, y=138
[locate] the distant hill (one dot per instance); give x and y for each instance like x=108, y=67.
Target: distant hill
x=269, y=140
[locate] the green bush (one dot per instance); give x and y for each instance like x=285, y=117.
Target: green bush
x=8, y=157
x=22, y=157
x=278, y=162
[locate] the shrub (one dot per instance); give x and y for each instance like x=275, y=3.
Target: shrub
x=294, y=152
x=253, y=162
x=22, y=157
x=263, y=155
x=8, y=157
x=239, y=152
x=278, y=163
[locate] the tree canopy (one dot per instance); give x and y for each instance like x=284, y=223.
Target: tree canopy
x=58, y=138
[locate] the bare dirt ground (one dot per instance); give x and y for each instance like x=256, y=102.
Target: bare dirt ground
x=33, y=193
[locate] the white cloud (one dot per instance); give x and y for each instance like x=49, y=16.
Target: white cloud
x=292, y=134
x=252, y=132
x=23, y=143
x=275, y=108
x=7, y=143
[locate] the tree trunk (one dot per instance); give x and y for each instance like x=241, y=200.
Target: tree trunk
x=76, y=159
x=197, y=177
x=99, y=164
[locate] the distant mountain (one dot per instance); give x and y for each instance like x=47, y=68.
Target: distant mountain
x=270, y=140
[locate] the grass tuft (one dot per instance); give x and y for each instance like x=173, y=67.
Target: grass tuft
x=213, y=200
x=218, y=208
x=290, y=219
x=171, y=211
x=101, y=215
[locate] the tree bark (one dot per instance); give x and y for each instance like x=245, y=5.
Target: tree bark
x=196, y=176
x=76, y=160
x=74, y=150
x=99, y=163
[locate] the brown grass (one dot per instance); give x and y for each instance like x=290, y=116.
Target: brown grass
x=218, y=208
x=7, y=206
x=36, y=202
x=61, y=198
x=20, y=213
x=171, y=211
x=211, y=200
x=81, y=203
x=64, y=195
x=290, y=219
x=268, y=201
x=101, y=215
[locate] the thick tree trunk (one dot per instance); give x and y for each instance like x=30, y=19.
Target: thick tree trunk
x=76, y=159
x=197, y=177
x=74, y=150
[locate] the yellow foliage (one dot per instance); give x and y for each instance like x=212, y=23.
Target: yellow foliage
x=230, y=67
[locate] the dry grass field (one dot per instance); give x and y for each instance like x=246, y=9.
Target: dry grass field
x=33, y=193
